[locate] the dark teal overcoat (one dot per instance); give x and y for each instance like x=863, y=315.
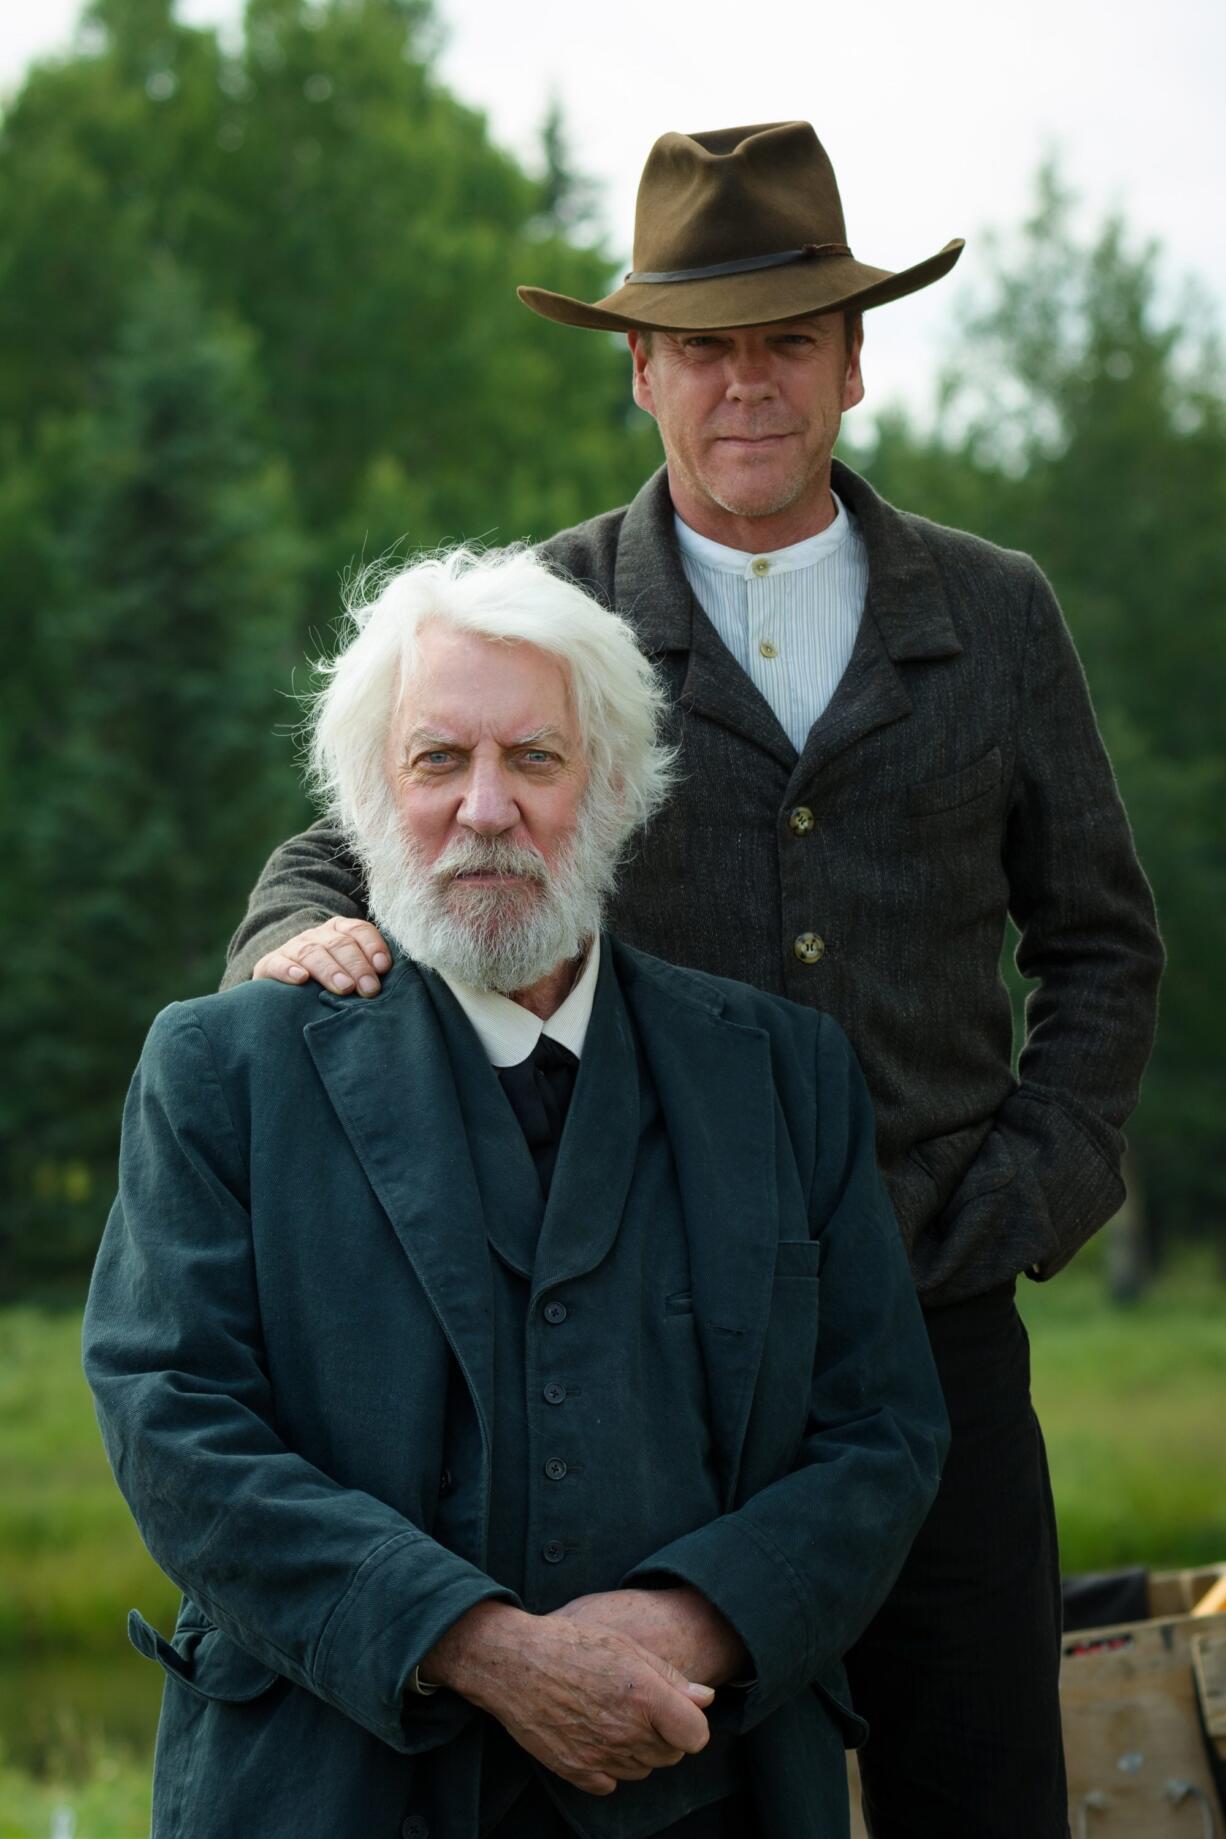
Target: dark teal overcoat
x=297, y=1266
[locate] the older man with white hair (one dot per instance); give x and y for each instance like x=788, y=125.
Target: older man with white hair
x=458, y=1352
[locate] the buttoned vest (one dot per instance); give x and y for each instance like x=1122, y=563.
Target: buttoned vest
x=597, y=1367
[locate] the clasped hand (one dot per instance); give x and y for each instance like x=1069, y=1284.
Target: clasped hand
x=583, y=1692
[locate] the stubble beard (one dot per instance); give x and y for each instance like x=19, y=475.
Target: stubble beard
x=502, y=938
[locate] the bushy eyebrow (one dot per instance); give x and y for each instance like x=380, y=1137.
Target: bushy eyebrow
x=436, y=737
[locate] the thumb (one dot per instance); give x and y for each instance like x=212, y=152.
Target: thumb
x=700, y=1694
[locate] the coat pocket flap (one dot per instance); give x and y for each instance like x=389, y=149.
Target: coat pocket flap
x=204, y=1660
x=956, y=788
x=835, y=1693
x=798, y=1258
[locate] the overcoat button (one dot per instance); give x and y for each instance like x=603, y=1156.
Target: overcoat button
x=555, y=1468
x=554, y=1394
x=415, y=1827
x=554, y=1552
x=800, y=821
x=555, y=1313
x=809, y=948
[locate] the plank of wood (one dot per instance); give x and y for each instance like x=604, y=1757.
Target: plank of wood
x=1209, y=1672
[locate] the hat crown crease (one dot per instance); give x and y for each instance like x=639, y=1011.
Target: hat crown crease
x=733, y=193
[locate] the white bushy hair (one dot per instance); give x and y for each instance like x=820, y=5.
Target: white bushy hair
x=507, y=596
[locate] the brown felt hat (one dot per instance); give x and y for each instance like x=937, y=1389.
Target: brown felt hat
x=739, y=227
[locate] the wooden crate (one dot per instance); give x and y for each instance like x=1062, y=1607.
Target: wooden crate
x=1133, y=1697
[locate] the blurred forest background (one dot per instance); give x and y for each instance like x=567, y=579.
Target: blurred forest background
x=257, y=323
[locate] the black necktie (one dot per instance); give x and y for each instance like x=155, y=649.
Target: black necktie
x=539, y=1091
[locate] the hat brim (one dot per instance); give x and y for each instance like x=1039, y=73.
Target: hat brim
x=823, y=284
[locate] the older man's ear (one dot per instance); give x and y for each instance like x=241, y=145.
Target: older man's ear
x=346, y=956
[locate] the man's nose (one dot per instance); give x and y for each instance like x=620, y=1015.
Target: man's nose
x=488, y=807
x=749, y=377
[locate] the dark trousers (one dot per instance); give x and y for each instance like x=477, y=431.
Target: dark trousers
x=958, y=1673
x=534, y=1816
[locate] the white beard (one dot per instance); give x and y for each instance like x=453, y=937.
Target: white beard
x=492, y=938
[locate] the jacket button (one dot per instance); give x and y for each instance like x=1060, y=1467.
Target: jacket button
x=554, y=1394
x=809, y=948
x=555, y=1313
x=555, y=1468
x=553, y=1552
x=445, y=1483
x=415, y=1827
x=800, y=821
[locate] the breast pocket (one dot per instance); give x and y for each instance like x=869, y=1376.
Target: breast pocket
x=798, y=1260
x=955, y=792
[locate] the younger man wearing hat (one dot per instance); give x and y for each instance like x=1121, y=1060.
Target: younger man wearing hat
x=888, y=750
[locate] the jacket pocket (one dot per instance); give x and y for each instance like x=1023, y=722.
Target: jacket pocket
x=204, y=1660
x=959, y=788
x=833, y=1690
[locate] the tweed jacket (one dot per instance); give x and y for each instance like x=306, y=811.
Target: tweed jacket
x=289, y=1337
x=956, y=780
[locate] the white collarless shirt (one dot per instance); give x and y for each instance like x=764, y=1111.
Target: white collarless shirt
x=508, y=1032
x=788, y=616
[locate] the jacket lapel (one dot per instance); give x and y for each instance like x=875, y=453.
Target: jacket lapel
x=869, y=695
x=650, y=588
x=713, y=1080
x=599, y=1148
x=906, y=620
x=385, y=1068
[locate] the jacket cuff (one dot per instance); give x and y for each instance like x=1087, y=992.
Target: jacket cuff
x=384, y=1626
x=756, y=1590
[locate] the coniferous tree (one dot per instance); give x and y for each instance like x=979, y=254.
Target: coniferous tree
x=164, y=768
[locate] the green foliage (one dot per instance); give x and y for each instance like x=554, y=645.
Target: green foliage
x=258, y=322
x=1083, y=423
x=151, y=761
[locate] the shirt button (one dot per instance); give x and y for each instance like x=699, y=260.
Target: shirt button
x=800, y=821
x=555, y=1313
x=553, y=1552
x=760, y=566
x=809, y=948
x=555, y=1468
x=767, y=650
x=415, y=1828
x=554, y=1394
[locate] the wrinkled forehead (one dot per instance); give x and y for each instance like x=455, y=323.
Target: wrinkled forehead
x=464, y=685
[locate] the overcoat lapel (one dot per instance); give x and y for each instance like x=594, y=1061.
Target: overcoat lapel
x=714, y=1084
x=385, y=1068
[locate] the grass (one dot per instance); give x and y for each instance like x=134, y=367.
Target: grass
x=112, y=1803
x=71, y=1564
x=1133, y=1406
x=1132, y=1401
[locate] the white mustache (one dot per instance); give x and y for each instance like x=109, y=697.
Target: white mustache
x=488, y=856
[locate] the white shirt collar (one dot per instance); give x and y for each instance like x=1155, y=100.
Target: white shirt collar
x=508, y=1032
x=741, y=561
